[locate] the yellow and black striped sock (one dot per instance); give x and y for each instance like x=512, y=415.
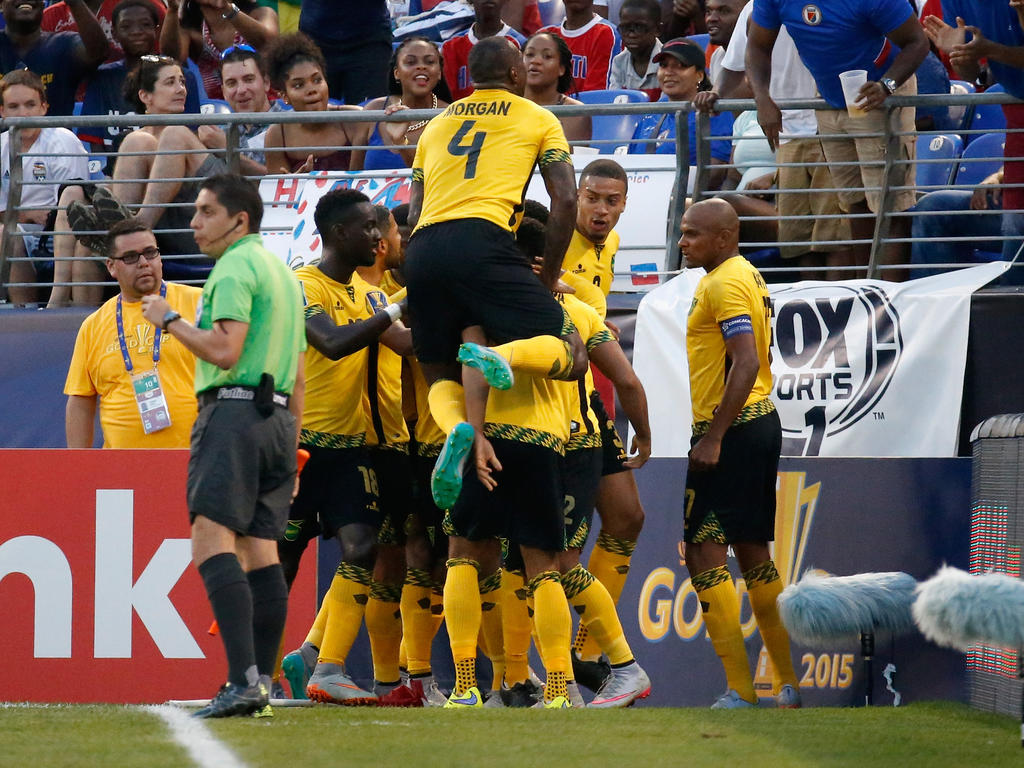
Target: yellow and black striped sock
x=462, y=614
x=418, y=627
x=516, y=626
x=346, y=603
x=447, y=403
x=490, y=625
x=609, y=563
x=542, y=356
x=384, y=626
x=591, y=601
x=554, y=630
x=717, y=596
x=764, y=587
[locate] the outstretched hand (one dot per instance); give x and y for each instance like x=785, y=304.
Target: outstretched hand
x=486, y=462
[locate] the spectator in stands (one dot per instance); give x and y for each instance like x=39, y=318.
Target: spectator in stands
x=246, y=89
x=136, y=25
x=720, y=19
x=415, y=83
x=456, y=49
x=594, y=42
x=297, y=69
x=682, y=76
x=997, y=34
x=59, y=18
x=61, y=59
x=634, y=68
x=977, y=228
x=798, y=145
x=115, y=345
x=523, y=16
x=203, y=29
x=548, y=62
x=22, y=95
x=830, y=43
x=682, y=17
x=355, y=37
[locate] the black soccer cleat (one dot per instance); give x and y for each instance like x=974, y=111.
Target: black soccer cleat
x=521, y=695
x=591, y=674
x=232, y=700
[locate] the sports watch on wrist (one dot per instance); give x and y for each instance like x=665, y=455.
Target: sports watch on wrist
x=232, y=13
x=169, y=317
x=889, y=84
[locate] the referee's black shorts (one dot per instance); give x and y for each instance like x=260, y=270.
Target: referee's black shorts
x=469, y=272
x=736, y=500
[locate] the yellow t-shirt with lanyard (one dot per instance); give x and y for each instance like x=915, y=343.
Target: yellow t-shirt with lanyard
x=475, y=159
x=144, y=378
x=730, y=299
x=333, y=415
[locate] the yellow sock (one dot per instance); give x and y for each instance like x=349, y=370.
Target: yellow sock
x=516, y=626
x=315, y=636
x=490, y=625
x=717, y=596
x=437, y=606
x=348, y=595
x=609, y=564
x=591, y=601
x=418, y=627
x=384, y=626
x=544, y=356
x=447, y=404
x=462, y=612
x=764, y=588
x=554, y=630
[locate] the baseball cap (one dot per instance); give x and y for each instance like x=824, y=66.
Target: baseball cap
x=684, y=50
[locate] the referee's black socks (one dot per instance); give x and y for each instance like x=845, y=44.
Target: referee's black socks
x=269, y=612
x=231, y=599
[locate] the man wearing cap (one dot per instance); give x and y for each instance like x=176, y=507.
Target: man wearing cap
x=836, y=38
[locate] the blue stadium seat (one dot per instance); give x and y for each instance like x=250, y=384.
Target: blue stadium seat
x=990, y=146
x=194, y=69
x=987, y=117
x=551, y=11
x=960, y=116
x=945, y=147
x=214, y=107
x=612, y=127
x=702, y=40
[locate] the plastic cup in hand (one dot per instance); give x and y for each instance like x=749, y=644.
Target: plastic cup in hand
x=852, y=82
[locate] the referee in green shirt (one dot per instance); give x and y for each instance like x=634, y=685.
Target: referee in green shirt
x=249, y=341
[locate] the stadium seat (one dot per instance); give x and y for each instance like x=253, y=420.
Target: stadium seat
x=945, y=147
x=987, y=117
x=194, y=69
x=986, y=151
x=612, y=127
x=551, y=11
x=703, y=40
x=214, y=107
x=960, y=115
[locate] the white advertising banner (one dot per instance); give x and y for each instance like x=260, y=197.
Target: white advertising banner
x=860, y=367
x=289, y=229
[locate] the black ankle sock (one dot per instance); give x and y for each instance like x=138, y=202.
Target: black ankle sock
x=231, y=600
x=269, y=611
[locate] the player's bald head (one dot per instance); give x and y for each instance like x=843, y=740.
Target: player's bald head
x=492, y=59
x=714, y=215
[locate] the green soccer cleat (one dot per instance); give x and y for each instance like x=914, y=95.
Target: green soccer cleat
x=471, y=699
x=297, y=671
x=559, y=702
x=446, y=479
x=493, y=366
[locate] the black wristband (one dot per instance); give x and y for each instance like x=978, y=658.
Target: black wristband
x=169, y=318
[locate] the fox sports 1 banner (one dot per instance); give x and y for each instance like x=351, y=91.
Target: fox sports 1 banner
x=860, y=367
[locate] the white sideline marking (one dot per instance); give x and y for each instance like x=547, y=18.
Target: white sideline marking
x=193, y=735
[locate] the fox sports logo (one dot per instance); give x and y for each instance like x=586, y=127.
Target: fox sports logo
x=835, y=351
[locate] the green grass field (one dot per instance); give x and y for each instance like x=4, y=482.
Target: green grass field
x=925, y=734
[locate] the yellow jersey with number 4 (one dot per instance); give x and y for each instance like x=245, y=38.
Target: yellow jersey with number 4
x=475, y=158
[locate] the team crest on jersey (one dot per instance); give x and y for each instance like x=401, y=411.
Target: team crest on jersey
x=833, y=358
x=39, y=170
x=376, y=300
x=812, y=15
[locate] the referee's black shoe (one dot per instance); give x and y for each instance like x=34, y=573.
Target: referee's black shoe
x=234, y=700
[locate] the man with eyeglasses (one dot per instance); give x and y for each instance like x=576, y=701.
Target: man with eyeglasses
x=141, y=378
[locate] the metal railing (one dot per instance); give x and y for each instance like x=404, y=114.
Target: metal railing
x=892, y=166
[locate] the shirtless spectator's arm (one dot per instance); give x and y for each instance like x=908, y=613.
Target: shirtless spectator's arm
x=93, y=49
x=174, y=38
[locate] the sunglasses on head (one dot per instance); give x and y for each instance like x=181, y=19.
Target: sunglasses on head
x=153, y=58
x=241, y=47
x=132, y=257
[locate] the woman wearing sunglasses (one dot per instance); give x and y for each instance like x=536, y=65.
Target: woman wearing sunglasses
x=415, y=82
x=296, y=69
x=202, y=29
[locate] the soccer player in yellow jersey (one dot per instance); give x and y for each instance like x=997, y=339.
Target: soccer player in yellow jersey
x=472, y=166
x=339, y=493
x=734, y=454
x=600, y=201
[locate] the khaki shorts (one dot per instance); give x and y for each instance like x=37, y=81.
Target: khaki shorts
x=822, y=231
x=870, y=152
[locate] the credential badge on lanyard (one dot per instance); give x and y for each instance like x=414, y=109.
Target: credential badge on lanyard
x=149, y=395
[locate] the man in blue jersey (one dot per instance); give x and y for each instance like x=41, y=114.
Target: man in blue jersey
x=882, y=37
